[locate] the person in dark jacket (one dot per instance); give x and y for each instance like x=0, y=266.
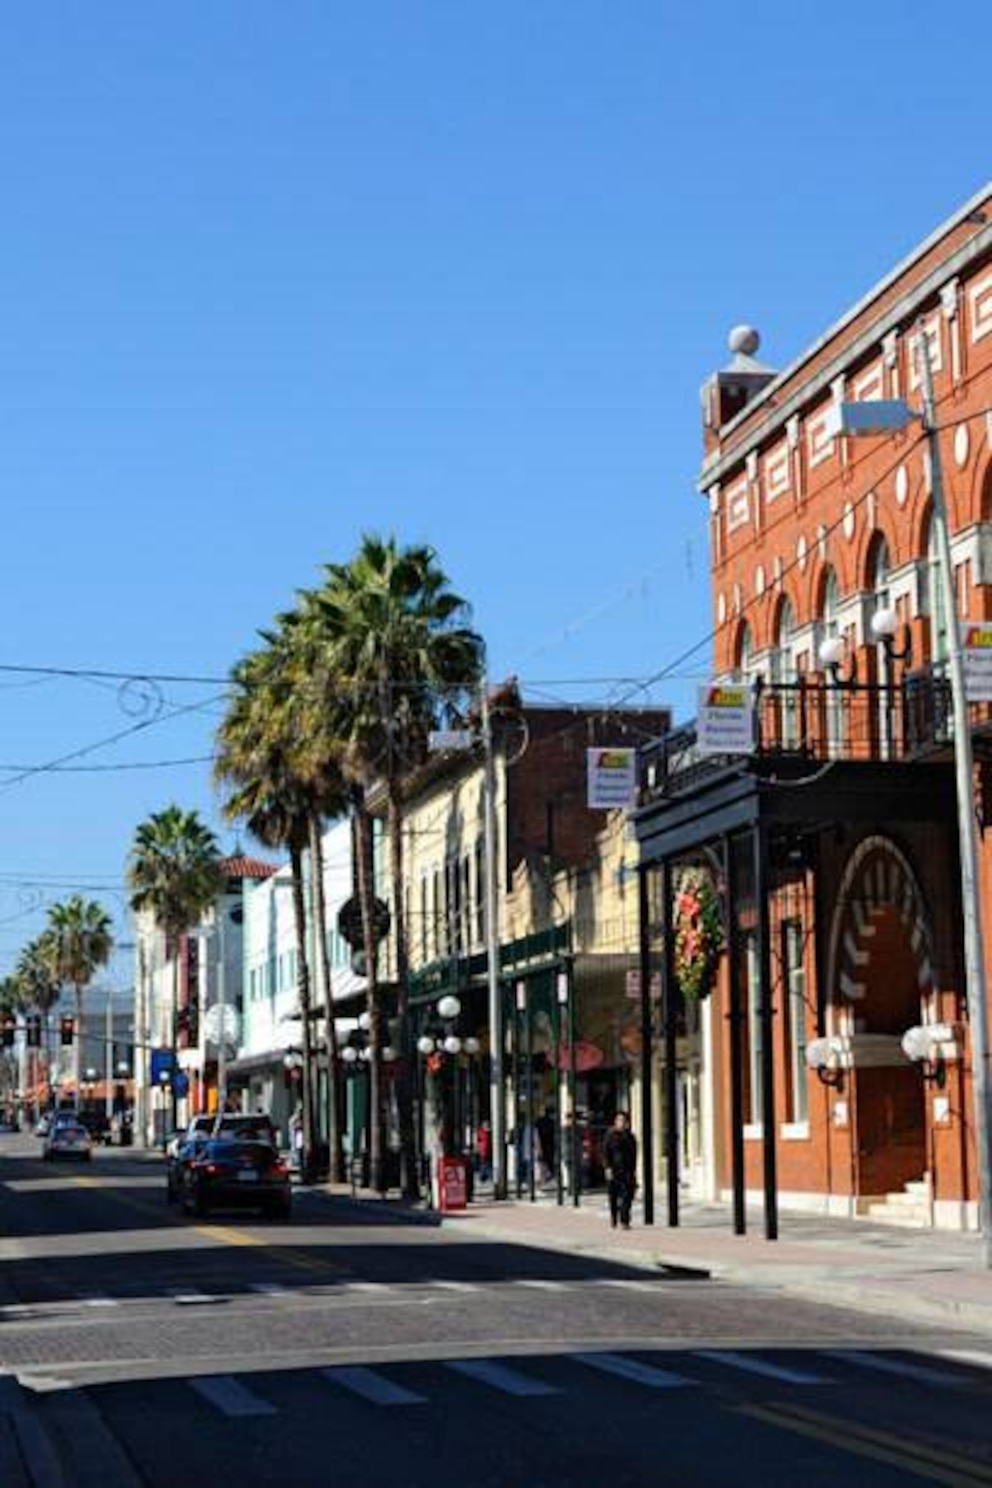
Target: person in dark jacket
x=620, y=1162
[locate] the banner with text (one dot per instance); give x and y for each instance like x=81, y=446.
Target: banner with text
x=977, y=662
x=725, y=719
x=612, y=779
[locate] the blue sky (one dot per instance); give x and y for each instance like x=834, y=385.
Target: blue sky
x=274, y=275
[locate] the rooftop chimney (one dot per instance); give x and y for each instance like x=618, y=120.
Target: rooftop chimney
x=731, y=389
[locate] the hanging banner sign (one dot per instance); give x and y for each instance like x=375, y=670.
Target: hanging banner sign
x=977, y=645
x=725, y=719
x=611, y=779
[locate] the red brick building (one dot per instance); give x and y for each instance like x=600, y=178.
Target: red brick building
x=833, y=848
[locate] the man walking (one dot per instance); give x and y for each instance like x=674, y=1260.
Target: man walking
x=620, y=1162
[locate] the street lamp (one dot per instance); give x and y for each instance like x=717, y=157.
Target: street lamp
x=885, y=417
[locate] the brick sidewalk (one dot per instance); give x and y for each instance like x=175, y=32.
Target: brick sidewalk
x=936, y=1276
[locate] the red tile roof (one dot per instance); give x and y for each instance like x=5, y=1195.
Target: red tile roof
x=242, y=867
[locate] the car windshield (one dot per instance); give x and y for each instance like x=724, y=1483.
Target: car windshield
x=257, y=1128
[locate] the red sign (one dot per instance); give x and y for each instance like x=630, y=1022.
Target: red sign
x=452, y=1183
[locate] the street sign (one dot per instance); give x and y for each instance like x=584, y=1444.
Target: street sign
x=350, y=921
x=977, y=663
x=180, y=1083
x=162, y=1062
x=611, y=779
x=439, y=739
x=725, y=719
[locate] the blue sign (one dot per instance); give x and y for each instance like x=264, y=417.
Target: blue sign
x=180, y=1083
x=163, y=1062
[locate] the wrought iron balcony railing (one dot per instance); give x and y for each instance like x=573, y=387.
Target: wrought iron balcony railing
x=817, y=720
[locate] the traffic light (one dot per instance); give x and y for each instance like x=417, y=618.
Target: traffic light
x=67, y=1030
x=33, y=1024
x=8, y=1028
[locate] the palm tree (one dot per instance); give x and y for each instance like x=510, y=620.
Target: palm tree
x=175, y=875
x=255, y=760
x=80, y=942
x=37, y=982
x=397, y=634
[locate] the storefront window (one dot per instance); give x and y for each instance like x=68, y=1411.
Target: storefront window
x=794, y=1003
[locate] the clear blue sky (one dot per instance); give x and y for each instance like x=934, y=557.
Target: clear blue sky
x=272, y=274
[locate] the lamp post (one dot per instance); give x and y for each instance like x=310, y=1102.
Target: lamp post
x=875, y=418
x=884, y=625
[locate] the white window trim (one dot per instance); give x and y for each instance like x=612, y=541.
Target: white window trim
x=794, y=1131
x=754, y=1131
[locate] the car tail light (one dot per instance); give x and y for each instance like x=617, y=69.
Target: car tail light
x=210, y=1168
x=280, y=1169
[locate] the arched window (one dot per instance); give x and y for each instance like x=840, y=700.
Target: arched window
x=932, y=596
x=745, y=654
x=878, y=578
x=829, y=627
x=784, y=674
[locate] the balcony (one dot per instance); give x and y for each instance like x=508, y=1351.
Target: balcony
x=818, y=721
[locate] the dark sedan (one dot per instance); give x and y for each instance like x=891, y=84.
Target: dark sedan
x=236, y=1175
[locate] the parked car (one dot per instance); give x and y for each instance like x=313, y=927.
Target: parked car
x=179, y=1154
x=44, y=1125
x=228, y=1174
x=68, y=1139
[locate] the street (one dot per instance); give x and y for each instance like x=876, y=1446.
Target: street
x=140, y=1346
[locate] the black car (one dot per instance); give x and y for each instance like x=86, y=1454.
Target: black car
x=236, y=1175
x=185, y=1149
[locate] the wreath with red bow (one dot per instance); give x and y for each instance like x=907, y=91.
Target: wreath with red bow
x=699, y=936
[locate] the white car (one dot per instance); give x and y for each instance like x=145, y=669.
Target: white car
x=68, y=1139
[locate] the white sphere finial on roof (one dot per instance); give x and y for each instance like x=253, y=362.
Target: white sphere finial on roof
x=744, y=339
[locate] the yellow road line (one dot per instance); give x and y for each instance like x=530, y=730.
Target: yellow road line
x=222, y=1233
x=935, y=1464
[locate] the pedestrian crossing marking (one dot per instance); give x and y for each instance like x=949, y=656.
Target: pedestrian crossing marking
x=456, y=1286
x=500, y=1377
x=634, y=1370
x=231, y=1397
x=976, y=1357
x=371, y=1386
x=544, y=1286
x=751, y=1365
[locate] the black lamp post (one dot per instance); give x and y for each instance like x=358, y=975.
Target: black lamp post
x=884, y=625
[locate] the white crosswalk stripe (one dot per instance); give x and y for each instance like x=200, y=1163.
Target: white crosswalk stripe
x=269, y=1288
x=500, y=1377
x=752, y=1365
x=634, y=1370
x=544, y=1286
x=190, y=1296
x=231, y=1397
x=372, y=1386
x=456, y=1286
x=904, y=1367
x=976, y=1357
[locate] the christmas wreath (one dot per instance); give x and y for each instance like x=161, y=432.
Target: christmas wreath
x=699, y=937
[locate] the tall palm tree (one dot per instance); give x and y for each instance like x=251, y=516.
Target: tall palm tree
x=255, y=761
x=175, y=875
x=80, y=943
x=398, y=634
x=37, y=982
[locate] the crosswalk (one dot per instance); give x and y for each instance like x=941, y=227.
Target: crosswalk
x=346, y=1287
x=429, y=1383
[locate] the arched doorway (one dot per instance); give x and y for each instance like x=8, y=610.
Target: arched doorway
x=880, y=985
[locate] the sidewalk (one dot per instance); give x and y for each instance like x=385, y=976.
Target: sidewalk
x=935, y=1276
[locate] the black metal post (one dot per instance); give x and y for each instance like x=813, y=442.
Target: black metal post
x=560, y=983
x=735, y=1017
x=766, y=1014
x=647, y=1046
x=669, y=992
x=517, y=1134
x=531, y=1133
x=573, y=1097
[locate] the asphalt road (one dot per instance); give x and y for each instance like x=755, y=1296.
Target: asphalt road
x=141, y=1348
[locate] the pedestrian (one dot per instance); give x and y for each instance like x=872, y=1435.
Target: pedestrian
x=484, y=1151
x=545, y=1126
x=620, y=1162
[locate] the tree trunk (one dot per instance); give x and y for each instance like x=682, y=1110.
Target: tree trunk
x=404, y=1091
x=77, y=1052
x=366, y=891
x=303, y=985
x=174, y=1032
x=322, y=972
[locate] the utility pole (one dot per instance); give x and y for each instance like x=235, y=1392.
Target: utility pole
x=497, y=1105
x=974, y=954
